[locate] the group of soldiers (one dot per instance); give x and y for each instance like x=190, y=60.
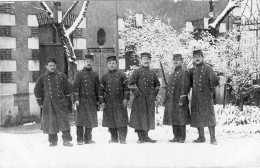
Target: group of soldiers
x=111, y=94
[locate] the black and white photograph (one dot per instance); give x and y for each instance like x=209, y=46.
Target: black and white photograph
x=130, y=84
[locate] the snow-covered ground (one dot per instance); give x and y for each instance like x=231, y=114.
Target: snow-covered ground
x=27, y=147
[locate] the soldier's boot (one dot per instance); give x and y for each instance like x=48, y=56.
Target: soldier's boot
x=175, y=133
x=182, y=131
x=88, y=136
x=122, y=132
x=148, y=139
x=53, y=139
x=140, y=137
x=114, y=135
x=80, y=135
x=201, y=138
x=213, y=140
x=66, y=136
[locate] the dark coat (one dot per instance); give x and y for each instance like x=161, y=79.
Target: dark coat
x=85, y=89
x=203, y=83
x=53, y=91
x=145, y=85
x=113, y=90
x=177, y=92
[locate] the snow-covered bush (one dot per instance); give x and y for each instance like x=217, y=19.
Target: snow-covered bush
x=232, y=115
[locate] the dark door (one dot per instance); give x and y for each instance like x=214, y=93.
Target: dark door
x=55, y=51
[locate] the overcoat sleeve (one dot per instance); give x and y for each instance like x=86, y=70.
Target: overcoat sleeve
x=39, y=91
x=190, y=73
x=125, y=87
x=67, y=89
x=214, y=81
x=97, y=85
x=132, y=83
x=185, y=86
x=156, y=83
x=102, y=89
x=76, y=86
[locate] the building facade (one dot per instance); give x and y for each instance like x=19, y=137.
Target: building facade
x=27, y=38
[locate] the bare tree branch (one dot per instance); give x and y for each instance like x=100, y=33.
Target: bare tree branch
x=47, y=9
x=79, y=18
x=232, y=4
x=69, y=10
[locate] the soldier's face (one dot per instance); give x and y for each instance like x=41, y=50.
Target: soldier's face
x=145, y=61
x=177, y=62
x=88, y=63
x=51, y=66
x=198, y=58
x=112, y=65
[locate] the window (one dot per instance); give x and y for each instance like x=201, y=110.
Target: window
x=5, y=8
x=35, y=75
x=79, y=54
x=35, y=54
x=5, y=54
x=5, y=31
x=6, y=77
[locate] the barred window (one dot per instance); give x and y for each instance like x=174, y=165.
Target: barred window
x=77, y=33
x=6, y=77
x=35, y=75
x=5, y=8
x=5, y=31
x=79, y=54
x=35, y=31
x=35, y=54
x=5, y=54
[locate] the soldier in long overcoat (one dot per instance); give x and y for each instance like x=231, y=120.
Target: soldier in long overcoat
x=85, y=92
x=203, y=83
x=177, y=113
x=53, y=93
x=114, y=95
x=145, y=86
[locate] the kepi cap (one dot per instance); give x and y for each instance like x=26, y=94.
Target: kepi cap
x=145, y=54
x=89, y=56
x=111, y=58
x=51, y=59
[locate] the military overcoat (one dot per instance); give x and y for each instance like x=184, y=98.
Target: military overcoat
x=53, y=91
x=203, y=83
x=145, y=86
x=177, y=92
x=113, y=90
x=85, y=89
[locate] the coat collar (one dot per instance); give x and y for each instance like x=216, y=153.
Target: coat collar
x=200, y=65
x=87, y=69
x=177, y=68
x=49, y=72
x=112, y=71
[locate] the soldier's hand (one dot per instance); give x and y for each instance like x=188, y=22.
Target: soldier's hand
x=180, y=104
x=125, y=101
x=98, y=106
x=41, y=106
x=156, y=102
x=76, y=102
x=102, y=106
